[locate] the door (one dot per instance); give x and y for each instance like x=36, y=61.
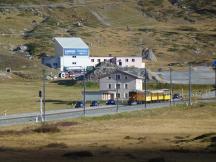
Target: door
x=112, y=96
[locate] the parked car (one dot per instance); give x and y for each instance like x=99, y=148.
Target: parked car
x=132, y=102
x=79, y=104
x=79, y=78
x=111, y=102
x=177, y=97
x=94, y=103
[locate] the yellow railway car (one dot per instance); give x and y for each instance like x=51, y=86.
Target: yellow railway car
x=140, y=97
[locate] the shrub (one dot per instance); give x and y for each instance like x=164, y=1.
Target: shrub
x=47, y=128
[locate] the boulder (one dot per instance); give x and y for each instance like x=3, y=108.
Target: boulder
x=148, y=54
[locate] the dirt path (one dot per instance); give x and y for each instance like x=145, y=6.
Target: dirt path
x=101, y=18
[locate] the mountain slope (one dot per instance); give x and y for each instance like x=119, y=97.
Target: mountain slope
x=177, y=30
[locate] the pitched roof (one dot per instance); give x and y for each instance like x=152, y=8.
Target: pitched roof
x=125, y=72
x=71, y=42
x=131, y=74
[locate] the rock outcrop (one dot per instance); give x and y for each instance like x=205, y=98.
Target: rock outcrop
x=148, y=54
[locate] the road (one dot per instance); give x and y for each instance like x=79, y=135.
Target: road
x=200, y=75
x=73, y=113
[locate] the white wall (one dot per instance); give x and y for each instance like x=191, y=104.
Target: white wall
x=125, y=61
x=74, y=63
x=139, y=84
x=132, y=84
x=96, y=60
x=130, y=62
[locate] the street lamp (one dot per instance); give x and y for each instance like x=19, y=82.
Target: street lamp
x=84, y=92
x=214, y=68
x=171, y=86
x=83, y=69
x=44, y=96
x=190, y=86
x=145, y=87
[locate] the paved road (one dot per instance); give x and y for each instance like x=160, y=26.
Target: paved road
x=200, y=75
x=73, y=113
x=76, y=113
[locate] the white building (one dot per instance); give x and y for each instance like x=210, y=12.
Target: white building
x=132, y=61
x=73, y=53
x=123, y=80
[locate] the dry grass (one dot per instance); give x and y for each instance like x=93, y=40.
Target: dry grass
x=176, y=134
x=18, y=96
x=166, y=29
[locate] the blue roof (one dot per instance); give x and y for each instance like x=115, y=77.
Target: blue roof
x=71, y=42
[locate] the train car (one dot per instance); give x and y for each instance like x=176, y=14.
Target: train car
x=138, y=97
x=167, y=96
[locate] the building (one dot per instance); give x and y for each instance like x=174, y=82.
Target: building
x=51, y=61
x=123, y=80
x=73, y=53
x=131, y=61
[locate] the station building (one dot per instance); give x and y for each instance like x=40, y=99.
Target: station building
x=72, y=53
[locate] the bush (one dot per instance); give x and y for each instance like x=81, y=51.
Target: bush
x=47, y=128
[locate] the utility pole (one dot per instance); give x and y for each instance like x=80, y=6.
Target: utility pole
x=41, y=106
x=145, y=88
x=117, y=104
x=190, y=87
x=215, y=80
x=44, y=94
x=214, y=68
x=84, y=93
x=171, y=88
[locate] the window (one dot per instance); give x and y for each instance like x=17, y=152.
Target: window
x=105, y=60
x=109, y=86
x=92, y=60
x=118, y=86
x=126, y=77
x=118, y=77
x=99, y=60
x=109, y=77
x=74, y=63
x=133, y=60
x=126, y=60
x=118, y=95
x=126, y=95
x=74, y=56
x=126, y=86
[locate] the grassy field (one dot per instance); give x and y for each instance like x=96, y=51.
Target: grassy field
x=175, y=134
x=21, y=95
x=18, y=96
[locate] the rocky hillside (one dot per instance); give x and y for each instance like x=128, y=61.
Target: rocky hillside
x=178, y=31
